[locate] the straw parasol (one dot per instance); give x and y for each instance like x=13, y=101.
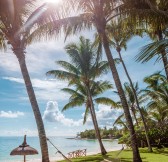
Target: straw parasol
x=24, y=150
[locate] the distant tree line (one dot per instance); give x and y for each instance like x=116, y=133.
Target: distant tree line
x=112, y=133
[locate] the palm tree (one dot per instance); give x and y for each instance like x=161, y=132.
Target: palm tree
x=18, y=18
x=99, y=13
x=157, y=90
x=84, y=68
x=119, y=36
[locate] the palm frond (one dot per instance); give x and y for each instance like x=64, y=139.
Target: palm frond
x=71, y=91
x=151, y=50
x=72, y=104
x=106, y=101
x=62, y=75
x=69, y=67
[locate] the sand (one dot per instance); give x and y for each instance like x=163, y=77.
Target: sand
x=54, y=159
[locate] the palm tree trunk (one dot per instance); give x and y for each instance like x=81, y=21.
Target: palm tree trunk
x=136, y=100
x=163, y=53
x=94, y=119
x=41, y=131
x=136, y=155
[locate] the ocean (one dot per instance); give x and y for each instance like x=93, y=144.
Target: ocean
x=7, y=144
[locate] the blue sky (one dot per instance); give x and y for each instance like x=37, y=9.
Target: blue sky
x=16, y=115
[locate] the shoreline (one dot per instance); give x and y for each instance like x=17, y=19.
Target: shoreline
x=56, y=159
x=91, y=145
x=105, y=139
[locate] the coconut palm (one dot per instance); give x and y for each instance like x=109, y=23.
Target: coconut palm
x=84, y=67
x=157, y=90
x=18, y=18
x=119, y=36
x=157, y=106
x=133, y=96
x=99, y=13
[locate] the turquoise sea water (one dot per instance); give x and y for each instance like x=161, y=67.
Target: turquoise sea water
x=65, y=145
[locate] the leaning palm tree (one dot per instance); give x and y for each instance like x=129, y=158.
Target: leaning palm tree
x=119, y=36
x=97, y=14
x=18, y=18
x=84, y=67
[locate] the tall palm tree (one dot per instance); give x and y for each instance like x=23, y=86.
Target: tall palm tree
x=18, y=18
x=84, y=67
x=119, y=36
x=97, y=14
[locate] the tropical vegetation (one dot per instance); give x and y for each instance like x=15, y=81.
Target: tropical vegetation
x=82, y=73
x=111, y=133
x=145, y=110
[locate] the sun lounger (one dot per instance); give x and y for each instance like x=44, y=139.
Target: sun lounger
x=77, y=153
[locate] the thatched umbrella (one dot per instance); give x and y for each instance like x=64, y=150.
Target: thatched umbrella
x=24, y=150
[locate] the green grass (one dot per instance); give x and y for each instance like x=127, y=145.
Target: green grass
x=158, y=155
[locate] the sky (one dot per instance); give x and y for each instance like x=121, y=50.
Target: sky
x=16, y=116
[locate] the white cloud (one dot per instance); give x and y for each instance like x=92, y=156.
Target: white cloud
x=10, y=114
x=105, y=115
x=45, y=89
x=53, y=114
x=18, y=80
x=40, y=57
x=9, y=62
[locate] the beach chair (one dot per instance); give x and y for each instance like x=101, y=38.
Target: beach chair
x=77, y=153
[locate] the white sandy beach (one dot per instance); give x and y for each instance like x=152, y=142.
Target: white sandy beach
x=56, y=158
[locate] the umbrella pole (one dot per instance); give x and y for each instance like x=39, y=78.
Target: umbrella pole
x=24, y=158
